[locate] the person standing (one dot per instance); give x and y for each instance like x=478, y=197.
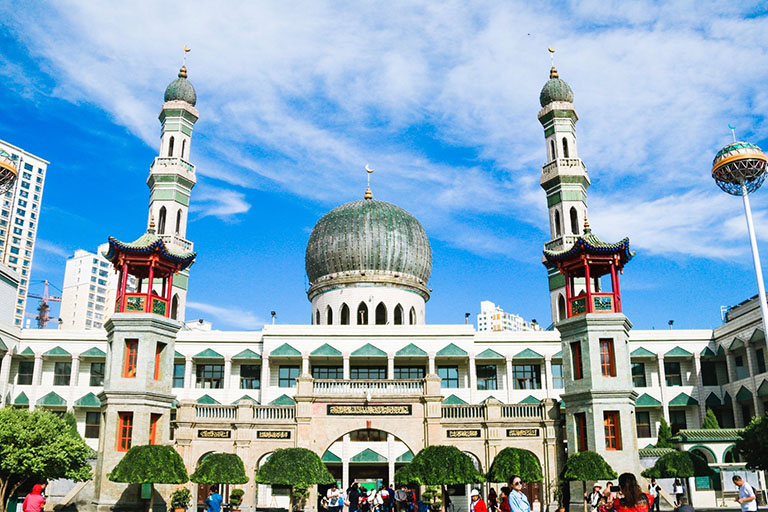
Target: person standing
x=214, y=500
x=401, y=499
x=747, y=498
x=354, y=497
x=478, y=505
x=34, y=501
x=678, y=490
x=594, y=498
x=504, y=499
x=684, y=506
x=333, y=496
x=654, y=490
x=608, y=496
x=631, y=498
x=518, y=502
x=492, y=500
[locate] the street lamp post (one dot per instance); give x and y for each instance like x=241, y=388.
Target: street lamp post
x=739, y=169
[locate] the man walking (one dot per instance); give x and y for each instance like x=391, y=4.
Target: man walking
x=401, y=499
x=654, y=489
x=684, y=506
x=747, y=498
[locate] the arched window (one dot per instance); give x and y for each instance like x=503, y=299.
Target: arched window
x=557, y=223
x=561, y=308
x=574, y=221
x=328, y=315
x=161, y=221
x=565, y=148
x=412, y=317
x=183, y=147
x=317, y=317
x=362, y=314
x=398, y=315
x=552, y=147
x=178, y=221
x=344, y=314
x=170, y=146
x=381, y=314
x=175, y=307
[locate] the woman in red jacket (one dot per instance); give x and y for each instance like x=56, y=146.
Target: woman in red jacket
x=34, y=501
x=478, y=505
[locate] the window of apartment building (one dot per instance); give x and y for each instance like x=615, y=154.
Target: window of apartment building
x=607, y=358
x=741, y=369
x=709, y=373
x=154, y=421
x=449, y=376
x=643, y=422
x=409, y=372
x=97, y=374
x=558, y=379
x=26, y=370
x=92, y=423
x=672, y=373
x=760, y=356
x=131, y=358
x=124, y=431
x=178, y=375
x=287, y=376
x=62, y=371
x=612, y=430
x=677, y=420
x=577, y=368
x=581, y=431
x=250, y=376
x=638, y=375
x=368, y=372
x=210, y=376
x=327, y=372
x=486, y=377
x=526, y=376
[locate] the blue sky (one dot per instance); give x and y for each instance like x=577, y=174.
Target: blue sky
x=439, y=97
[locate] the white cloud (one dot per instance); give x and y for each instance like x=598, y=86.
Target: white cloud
x=231, y=316
x=50, y=247
x=218, y=202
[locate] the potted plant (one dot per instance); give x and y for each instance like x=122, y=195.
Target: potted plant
x=180, y=499
x=235, y=499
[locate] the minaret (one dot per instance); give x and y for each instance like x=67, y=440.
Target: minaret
x=564, y=179
x=172, y=176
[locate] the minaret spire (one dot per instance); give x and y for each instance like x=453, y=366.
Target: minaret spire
x=368, y=193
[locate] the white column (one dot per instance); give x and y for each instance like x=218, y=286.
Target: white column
x=699, y=388
x=390, y=366
x=37, y=374
x=756, y=402
x=346, y=454
x=510, y=381
x=432, y=369
x=305, y=363
x=74, y=375
x=345, y=374
x=227, y=372
x=548, y=384
x=662, y=386
x=5, y=375
x=472, y=377
x=264, y=376
x=391, y=456
x=188, y=362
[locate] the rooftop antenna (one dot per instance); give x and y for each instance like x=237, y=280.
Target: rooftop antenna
x=733, y=131
x=368, y=193
x=186, y=51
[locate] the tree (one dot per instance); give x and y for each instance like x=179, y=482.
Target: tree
x=665, y=433
x=38, y=445
x=298, y=468
x=587, y=466
x=753, y=445
x=515, y=461
x=220, y=468
x=678, y=465
x=150, y=464
x=710, y=420
x=439, y=465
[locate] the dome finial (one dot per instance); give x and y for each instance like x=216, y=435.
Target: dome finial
x=183, y=70
x=368, y=193
x=553, y=71
x=151, y=228
x=587, y=229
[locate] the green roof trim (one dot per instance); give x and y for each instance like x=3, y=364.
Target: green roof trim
x=52, y=400
x=744, y=394
x=410, y=350
x=94, y=352
x=330, y=457
x=56, y=351
x=209, y=354
x=22, y=399
x=285, y=350
x=642, y=352
x=720, y=350
x=406, y=457
x=558, y=355
x=528, y=354
x=589, y=243
x=736, y=344
x=713, y=400
x=727, y=399
x=704, y=435
x=2, y=346
x=707, y=352
x=763, y=389
x=89, y=400
x=246, y=354
x=368, y=455
x=652, y=451
x=678, y=352
x=207, y=400
x=646, y=400
x=149, y=243
x=27, y=352
x=368, y=350
x=246, y=397
x=283, y=400
x=178, y=355
x=451, y=350
x=453, y=400
x=530, y=399
x=562, y=404
x=683, y=400
x=490, y=355
x=326, y=350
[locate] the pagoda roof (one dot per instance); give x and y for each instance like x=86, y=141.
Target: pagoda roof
x=147, y=243
x=590, y=243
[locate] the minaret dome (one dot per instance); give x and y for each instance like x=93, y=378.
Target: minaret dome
x=181, y=89
x=556, y=89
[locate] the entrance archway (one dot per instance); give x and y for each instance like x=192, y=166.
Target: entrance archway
x=202, y=489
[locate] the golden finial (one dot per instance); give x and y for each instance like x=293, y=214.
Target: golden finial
x=183, y=70
x=368, y=193
x=553, y=71
x=587, y=229
x=151, y=224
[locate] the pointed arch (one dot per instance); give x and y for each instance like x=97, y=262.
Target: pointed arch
x=398, y=315
x=317, y=317
x=561, y=313
x=362, y=314
x=178, y=221
x=328, y=315
x=574, y=221
x=344, y=314
x=175, y=306
x=557, y=223
x=183, y=147
x=554, y=151
x=170, y=146
x=565, y=148
x=412, y=316
x=381, y=314
x=161, y=220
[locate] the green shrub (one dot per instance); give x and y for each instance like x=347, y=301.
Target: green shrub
x=181, y=498
x=236, y=497
x=587, y=466
x=710, y=420
x=678, y=465
x=432, y=496
x=220, y=468
x=665, y=433
x=515, y=461
x=439, y=465
x=753, y=445
x=150, y=464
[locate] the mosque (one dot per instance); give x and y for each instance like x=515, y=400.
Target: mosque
x=370, y=383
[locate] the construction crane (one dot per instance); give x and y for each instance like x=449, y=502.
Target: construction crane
x=43, y=308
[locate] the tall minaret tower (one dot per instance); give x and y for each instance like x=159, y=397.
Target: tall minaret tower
x=564, y=178
x=172, y=176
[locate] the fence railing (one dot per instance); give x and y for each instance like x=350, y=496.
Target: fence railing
x=216, y=412
x=523, y=411
x=362, y=387
x=260, y=412
x=463, y=411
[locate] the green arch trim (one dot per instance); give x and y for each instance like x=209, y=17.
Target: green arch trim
x=728, y=450
x=705, y=448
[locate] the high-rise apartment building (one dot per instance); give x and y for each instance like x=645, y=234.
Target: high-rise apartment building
x=493, y=318
x=19, y=216
x=90, y=285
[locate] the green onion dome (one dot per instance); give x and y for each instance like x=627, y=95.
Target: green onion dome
x=181, y=89
x=555, y=89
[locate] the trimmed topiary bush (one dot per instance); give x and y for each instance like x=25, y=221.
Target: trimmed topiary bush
x=150, y=464
x=515, y=461
x=710, y=420
x=220, y=468
x=587, y=466
x=678, y=465
x=236, y=498
x=298, y=468
x=181, y=498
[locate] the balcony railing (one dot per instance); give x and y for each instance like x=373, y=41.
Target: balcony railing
x=167, y=161
x=561, y=242
x=523, y=411
x=463, y=411
x=336, y=387
x=230, y=412
x=216, y=412
x=563, y=162
x=177, y=241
